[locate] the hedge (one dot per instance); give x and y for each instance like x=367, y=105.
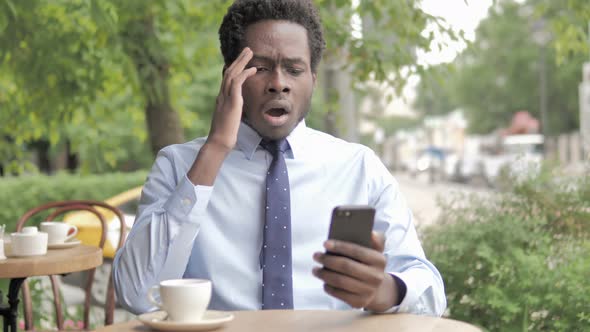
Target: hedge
x=517, y=260
x=19, y=194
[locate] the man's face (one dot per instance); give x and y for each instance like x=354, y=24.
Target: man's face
x=278, y=96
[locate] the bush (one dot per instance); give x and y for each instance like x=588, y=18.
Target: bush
x=517, y=260
x=17, y=195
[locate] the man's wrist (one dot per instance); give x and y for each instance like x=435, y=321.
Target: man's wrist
x=219, y=143
x=207, y=164
x=387, y=295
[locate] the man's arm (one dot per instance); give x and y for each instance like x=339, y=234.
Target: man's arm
x=225, y=123
x=167, y=223
x=160, y=242
x=406, y=260
x=371, y=278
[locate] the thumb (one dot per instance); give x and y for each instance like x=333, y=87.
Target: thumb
x=378, y=241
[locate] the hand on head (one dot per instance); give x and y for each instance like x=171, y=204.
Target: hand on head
x=228, y=108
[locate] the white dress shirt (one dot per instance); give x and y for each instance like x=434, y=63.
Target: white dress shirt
x=187, y=231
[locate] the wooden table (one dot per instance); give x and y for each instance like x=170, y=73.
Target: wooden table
x=319, y=320
x=57, y=261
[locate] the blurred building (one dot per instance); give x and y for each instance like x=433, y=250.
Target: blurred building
x=446, y=133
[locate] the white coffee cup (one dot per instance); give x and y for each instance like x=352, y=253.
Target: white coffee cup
x=58, y=231
x=185, y=300
x=29, y=242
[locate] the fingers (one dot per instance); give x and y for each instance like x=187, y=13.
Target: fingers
x=238, y=81
x=353, y=300
x=352, y=273
x=234, y=70
x=368, y=256
x=346, y=267
x=245, y=51
x=378, y=241
x=341, y=281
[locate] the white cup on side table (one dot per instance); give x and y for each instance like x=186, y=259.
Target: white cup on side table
x=184, y=300
x=58, y=232
x=28, y=242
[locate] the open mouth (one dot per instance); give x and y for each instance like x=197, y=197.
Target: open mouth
x=276, y=116
x=276, y=112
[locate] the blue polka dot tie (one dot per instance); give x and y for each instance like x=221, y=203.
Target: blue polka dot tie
x=277, y=277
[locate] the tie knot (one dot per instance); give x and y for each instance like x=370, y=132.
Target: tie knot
x=275, y=146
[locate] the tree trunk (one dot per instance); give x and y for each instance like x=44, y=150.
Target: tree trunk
x=145, y=50
x=331, y=101
x=163, y=125
x=43, y=158
x=72, y=161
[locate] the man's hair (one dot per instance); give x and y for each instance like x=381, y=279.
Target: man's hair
x=243, y=13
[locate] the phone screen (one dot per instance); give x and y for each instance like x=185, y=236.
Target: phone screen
x=352, y=223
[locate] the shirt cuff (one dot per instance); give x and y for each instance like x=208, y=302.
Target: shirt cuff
x=188, y=200
x=411, y=295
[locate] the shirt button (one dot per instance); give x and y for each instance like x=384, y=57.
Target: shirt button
x=186, y=202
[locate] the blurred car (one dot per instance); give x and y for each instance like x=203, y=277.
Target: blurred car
x=89, y=225
x=515, y=155
x=520, y=156
x=438, y=163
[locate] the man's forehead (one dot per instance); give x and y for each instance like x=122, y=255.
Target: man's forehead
x=272, y=40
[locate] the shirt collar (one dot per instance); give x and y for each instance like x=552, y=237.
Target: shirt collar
x=296, y=139
x=249, y=140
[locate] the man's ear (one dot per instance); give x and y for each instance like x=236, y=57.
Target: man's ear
x=223, y=70
x=314, y=78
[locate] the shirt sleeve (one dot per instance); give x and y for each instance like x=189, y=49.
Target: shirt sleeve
x=161, y=239
x=405, y=257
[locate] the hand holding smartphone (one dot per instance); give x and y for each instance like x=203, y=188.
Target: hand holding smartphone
x=354, y=272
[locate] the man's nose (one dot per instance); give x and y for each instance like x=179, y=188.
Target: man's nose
x=278, y=83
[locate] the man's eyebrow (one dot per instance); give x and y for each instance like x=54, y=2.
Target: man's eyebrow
x=294, y=60
x=262, y=58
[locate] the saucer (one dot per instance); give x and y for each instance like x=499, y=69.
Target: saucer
x=65, y=245
x=211, y=320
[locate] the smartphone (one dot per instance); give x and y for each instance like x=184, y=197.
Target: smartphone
x=352, y=223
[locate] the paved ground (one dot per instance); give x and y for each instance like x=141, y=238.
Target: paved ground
x=422, y=196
